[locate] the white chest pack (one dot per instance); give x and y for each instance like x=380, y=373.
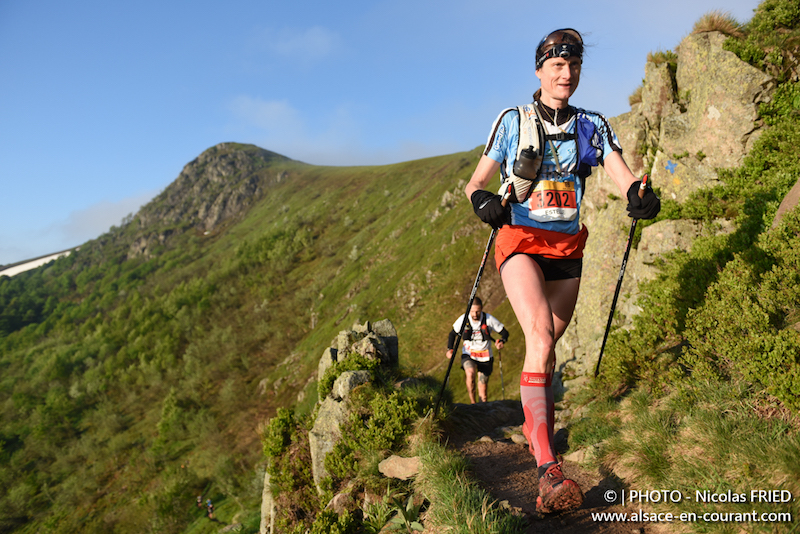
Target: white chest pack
x=530, y=153
x=550, y=200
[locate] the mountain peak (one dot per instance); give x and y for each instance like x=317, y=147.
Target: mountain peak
x=218, y=185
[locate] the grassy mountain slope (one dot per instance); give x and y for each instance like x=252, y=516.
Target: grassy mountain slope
x=130, y=382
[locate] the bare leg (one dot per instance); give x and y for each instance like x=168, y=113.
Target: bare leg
x=483, y=387
x=470, y=371
x=543, y=309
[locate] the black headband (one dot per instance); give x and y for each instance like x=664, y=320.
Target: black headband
x=564, y=43
x=560, y=50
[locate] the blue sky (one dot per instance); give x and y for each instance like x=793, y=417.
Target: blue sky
x=103, y=103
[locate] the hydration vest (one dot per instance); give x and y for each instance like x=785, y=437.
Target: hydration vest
x=484, y=328
x=532, y=138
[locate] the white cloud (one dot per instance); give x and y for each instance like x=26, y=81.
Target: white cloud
x=274, y=117
x=335, y=136
x=90, y=222
x=79, y=226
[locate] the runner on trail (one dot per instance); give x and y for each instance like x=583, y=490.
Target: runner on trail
x=476, y=355
x=539, y=246
x=210, y=509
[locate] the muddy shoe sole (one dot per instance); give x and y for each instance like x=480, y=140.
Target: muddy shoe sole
x=563, y=498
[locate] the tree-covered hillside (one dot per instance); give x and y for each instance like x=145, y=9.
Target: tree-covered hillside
x=132, y=382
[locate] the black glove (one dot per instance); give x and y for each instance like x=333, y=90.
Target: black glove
x=646, y=207
x=489, y=208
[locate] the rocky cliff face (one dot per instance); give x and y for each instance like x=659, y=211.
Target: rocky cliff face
x=217, y=186
x=688, y=124
x=373, y=341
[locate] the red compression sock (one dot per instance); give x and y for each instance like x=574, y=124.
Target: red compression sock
x=536, y=392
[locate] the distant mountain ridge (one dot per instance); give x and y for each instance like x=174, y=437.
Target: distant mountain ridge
x=217, y=186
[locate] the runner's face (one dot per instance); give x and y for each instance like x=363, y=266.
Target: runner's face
x=559, y=77
x=475, y=312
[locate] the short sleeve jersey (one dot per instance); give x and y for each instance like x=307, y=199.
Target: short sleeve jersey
x=556, y=198
x=477, y=343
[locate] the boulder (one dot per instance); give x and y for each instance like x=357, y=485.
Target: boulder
x=399, y=467
x=347, y=382
x=326, y=432
x=387, y=332
x=372, y=347
x=344, y=340
x=342, y=501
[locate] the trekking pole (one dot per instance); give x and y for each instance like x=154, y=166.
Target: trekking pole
x=619, y=279
x=469, y=306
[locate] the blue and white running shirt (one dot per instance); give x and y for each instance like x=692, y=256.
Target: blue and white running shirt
x=555, y=202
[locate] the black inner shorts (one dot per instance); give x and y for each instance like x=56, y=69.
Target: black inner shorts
x=555, y=269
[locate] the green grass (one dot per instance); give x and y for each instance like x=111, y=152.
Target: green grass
x=704, y=437
x=600, y=422
x=459, y=504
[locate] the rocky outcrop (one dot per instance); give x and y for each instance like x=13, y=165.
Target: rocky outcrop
x=267, y=508
x=688, y=124
x=719, y=124
x=374, y=342
x=217, y=186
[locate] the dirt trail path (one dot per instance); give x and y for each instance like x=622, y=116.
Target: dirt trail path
x=485, y=433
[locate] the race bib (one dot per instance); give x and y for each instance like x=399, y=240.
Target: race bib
x=481, y=356
x=553, y=201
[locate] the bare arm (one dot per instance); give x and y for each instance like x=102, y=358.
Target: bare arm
x=486, y=169
x=618, y=170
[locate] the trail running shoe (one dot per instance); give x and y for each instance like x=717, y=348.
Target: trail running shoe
x=556, y=493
